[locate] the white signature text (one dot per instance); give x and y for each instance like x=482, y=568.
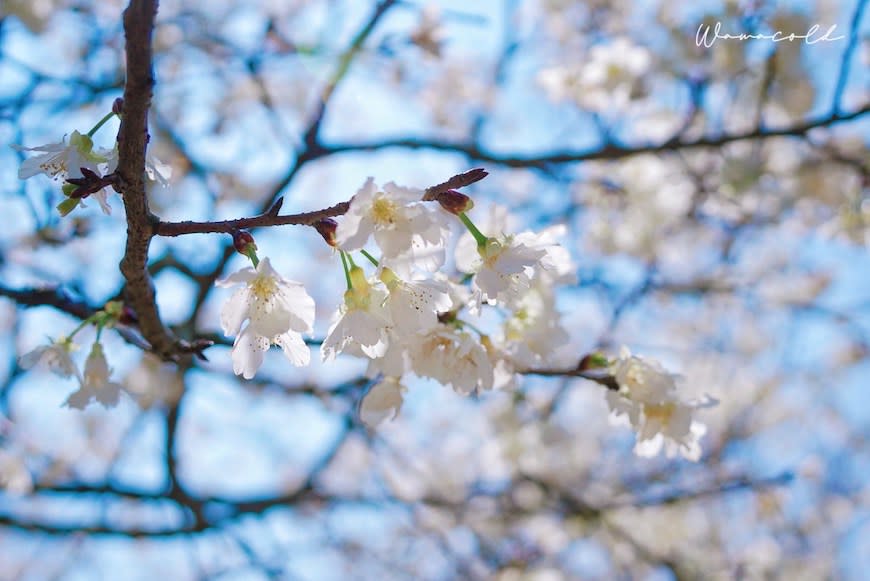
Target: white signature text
x=708, y=35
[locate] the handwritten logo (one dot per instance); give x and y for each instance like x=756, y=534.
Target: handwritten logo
x=704, y=36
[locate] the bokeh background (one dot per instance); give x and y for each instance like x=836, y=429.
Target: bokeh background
x=716, y=200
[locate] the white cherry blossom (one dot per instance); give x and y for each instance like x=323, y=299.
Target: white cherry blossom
x=648, y=399
x=278, y=311
x=382, y=402
x=669, y=426
x=452, y=357
x=534, y=331
x=361, y=324
x=414, y=304
x=64, y=159
x=96, y=383
x=402, y=225
x=643, y=380
x=55, y=356
x=503, y=269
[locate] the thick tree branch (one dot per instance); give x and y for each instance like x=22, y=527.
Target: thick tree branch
x=132, y=143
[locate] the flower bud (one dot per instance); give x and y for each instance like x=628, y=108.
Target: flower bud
x=326, y=228
x=243, y=242
x=454, y=202
x=593, y=361
x=118, y=106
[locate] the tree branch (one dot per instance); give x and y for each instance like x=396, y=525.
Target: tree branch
x=609, y=151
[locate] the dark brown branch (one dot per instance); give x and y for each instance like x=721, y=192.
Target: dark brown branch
x=132, y=143
x=51, y=297
x=130, y=181
x=265, y=219
x=271, y=217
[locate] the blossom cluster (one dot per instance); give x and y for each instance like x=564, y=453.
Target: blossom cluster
x=408, y=317
x=494, y=318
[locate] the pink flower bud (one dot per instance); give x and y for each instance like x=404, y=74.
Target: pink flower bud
x=454, y=202
x=326, y=228
x=243, y=242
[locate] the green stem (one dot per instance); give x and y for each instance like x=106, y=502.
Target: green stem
x=478, y=235
x=370, y=257
x=102, y=122
x=344, y=258
x=81, y=326
x=252, y=254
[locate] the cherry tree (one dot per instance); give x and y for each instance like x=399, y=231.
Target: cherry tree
x=508, y=290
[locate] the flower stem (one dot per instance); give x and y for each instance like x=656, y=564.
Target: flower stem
x=81, y=326
x=478, y=235
x=102, y=122
x=369, y=256
x=344, y=258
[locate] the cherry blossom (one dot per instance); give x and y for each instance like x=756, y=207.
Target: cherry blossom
x=643, y=380
x=503, y=269
x=382, y=402
x=452, y=357
x=95, y=383
x=55, y=356
x=414, y=304
x=278, y=311
x=64, y=159
x=361, y=323
x=401, y=224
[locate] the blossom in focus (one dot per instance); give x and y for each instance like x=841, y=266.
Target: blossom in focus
x=503, y=269
x=95, y=383
x=55, y=356
x=414, y=304
x=278, y=311
x=402, y=225
x=362, y=322
x=382, y=402
x=64, y=159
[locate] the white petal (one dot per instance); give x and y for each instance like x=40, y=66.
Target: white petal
x=235, y=311
x=295, y=300
x=294, y=348
x=246, y=274
x=247, y=354
x=382, y=402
